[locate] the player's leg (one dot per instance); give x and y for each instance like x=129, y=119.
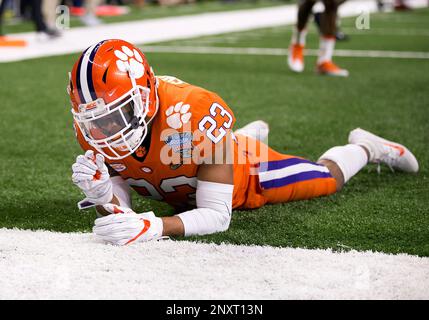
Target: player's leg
x=328, y=28
x=346, y=161
x=380, y=150
x=380, y=5
x=257, y=130
x=285, y=178
x=339, y=35
x=305, y=8
x=288, y=178
x=296, y=49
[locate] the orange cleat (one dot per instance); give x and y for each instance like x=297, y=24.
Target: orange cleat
x=296, y=58
x=331, y=69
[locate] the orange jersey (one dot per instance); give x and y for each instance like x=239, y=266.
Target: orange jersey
x=190, y=124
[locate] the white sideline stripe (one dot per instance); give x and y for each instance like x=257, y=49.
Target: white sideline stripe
x=48, y=265
x=284, y=52
x=289, y=171
x=172, y=28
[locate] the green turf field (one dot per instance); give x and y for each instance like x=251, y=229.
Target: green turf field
x=307, y=113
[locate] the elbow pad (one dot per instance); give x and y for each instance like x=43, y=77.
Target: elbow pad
x=214, y=208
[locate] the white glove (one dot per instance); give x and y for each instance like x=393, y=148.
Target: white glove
x=125, y=226
x=91, y=175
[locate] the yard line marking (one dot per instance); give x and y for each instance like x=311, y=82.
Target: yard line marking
x=380, y=54
x=387, y=32
x=51, y=265
x=284, y=52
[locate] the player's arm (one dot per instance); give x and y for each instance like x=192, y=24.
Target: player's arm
x=213, y=213
x=215, y=188
x=214, y=204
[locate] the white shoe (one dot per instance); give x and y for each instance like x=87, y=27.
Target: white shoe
x=258, y=130
x=47, y=35
x=90, y=20
x=393, y=154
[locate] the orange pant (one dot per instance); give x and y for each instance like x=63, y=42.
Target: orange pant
x=276, y=177
x=286, y=178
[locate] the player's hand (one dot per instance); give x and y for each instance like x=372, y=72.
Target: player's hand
x=91, y=175
x=124, y=226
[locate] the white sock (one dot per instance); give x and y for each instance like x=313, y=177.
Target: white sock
x=326, y=49
x=298, y=37
x=350, y=158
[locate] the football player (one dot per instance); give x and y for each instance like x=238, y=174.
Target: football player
x=173, y=141
x=328, y=30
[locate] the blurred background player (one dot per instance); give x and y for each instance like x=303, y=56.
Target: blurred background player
x=339, y=35
x=2, y=7
x=328, y=29
x=33, y=10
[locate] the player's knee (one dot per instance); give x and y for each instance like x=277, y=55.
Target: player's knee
x=335, y=172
